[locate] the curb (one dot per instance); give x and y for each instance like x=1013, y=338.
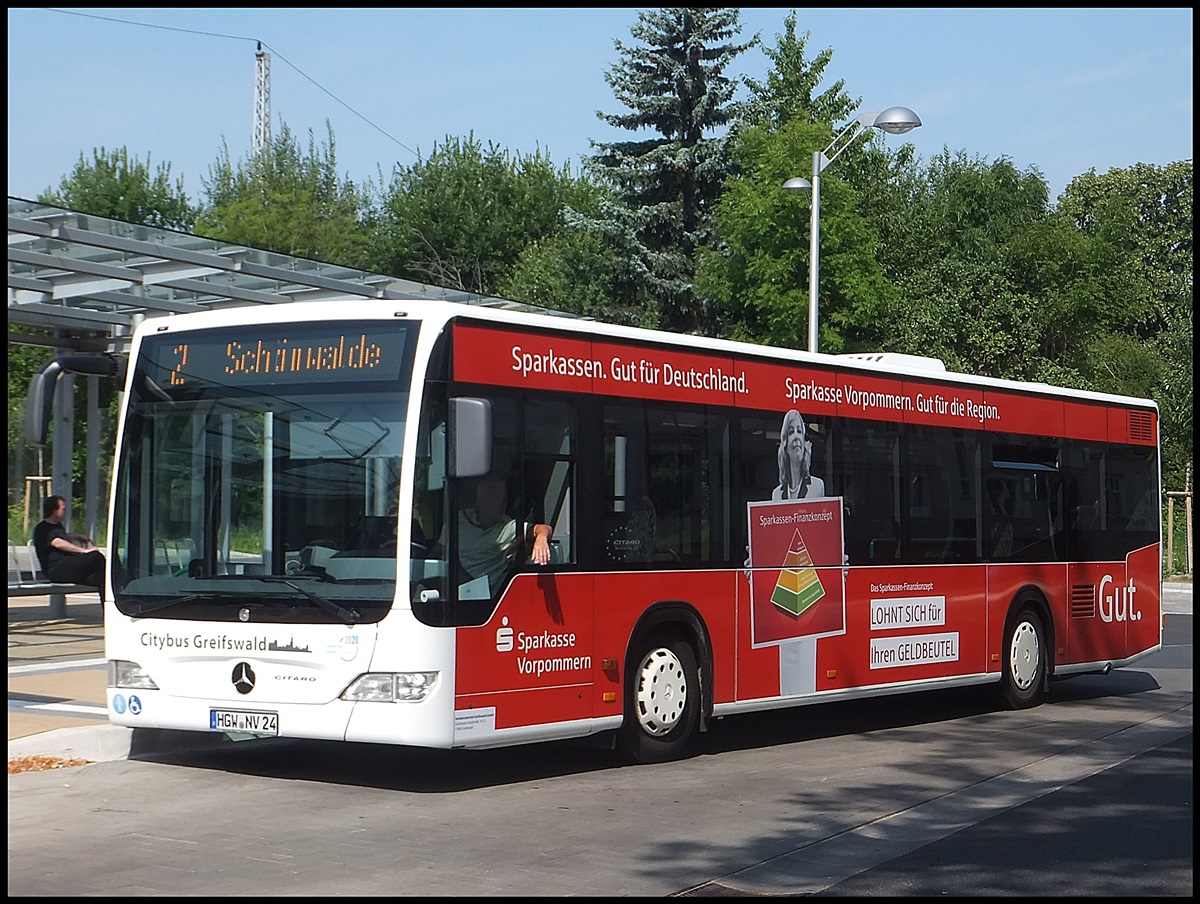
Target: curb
x=99, y=743
x=105, y=743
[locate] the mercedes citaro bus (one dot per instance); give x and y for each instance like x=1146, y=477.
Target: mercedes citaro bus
x=291, y=482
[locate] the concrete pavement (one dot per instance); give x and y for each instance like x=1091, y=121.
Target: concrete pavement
x=57, y=679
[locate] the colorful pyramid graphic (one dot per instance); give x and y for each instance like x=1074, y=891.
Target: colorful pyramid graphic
x=798, y=587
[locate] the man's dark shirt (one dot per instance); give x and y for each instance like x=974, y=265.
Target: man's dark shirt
x=43, y=536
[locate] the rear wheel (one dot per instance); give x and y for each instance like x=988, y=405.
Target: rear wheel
x=1024, y=659
x=662, y=701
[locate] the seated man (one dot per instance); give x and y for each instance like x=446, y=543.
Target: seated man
x=63, y=560
x=488, y=539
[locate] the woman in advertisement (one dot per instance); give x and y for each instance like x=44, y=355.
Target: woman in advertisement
x=795, y=461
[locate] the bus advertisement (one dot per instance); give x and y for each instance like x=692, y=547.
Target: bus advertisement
x=428, y=524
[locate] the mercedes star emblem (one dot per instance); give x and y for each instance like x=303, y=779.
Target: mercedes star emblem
x=243, y=678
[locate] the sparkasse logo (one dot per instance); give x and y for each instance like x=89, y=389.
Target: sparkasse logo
x=504, y=637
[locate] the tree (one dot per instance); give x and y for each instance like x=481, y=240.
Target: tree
x=757, y=277
x=463, y=217
x=953, y=238
x=1096, y=294
x=287, y=201
x=666, y=186
x=1143, y=214
x=120, y=187
x=575, y=273
x=792, y=81
x=955, y=205
x=23, y=362
x=755, y=268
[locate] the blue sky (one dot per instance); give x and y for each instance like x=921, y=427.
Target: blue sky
x=1062, y=91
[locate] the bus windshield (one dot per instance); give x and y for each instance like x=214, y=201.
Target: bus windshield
x=246, y=492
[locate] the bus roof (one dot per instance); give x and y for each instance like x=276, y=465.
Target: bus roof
x=437, y=311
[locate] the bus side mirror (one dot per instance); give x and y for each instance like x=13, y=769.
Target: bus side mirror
x=40, y=404
x=469, y=437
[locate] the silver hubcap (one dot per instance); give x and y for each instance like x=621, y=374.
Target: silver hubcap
x=661, y=692
x=1025, y=656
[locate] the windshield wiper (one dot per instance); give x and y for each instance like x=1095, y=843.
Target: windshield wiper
x=349, y=616
x=144, y=605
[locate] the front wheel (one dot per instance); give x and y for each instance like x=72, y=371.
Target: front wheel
x=1024, y=660
x=662, y=702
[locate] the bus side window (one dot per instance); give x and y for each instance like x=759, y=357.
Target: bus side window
x=1000, y=529
x=548, y=472
x=630, y=519
x=867, y=476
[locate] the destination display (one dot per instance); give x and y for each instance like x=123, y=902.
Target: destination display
x=273, y=354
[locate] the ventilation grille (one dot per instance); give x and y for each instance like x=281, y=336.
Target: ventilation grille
x=899, y=360
x=1141, y=426
x=1083, y=601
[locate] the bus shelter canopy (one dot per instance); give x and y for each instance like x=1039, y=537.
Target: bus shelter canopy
x=88, y=281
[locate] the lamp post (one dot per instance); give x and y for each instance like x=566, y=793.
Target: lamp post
x=894, y=121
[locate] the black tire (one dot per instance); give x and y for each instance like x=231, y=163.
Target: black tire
x=1024, y=660
x=662, y=701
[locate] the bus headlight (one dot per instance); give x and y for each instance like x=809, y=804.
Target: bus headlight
x=391, y=687
x=123, y=673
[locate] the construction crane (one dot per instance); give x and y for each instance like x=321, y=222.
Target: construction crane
x=262, y=100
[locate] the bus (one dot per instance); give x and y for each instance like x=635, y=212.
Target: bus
x=731, y=528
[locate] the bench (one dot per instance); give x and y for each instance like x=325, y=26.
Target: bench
x=31, y=582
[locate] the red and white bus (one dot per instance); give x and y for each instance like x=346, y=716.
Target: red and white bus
x=286, y=539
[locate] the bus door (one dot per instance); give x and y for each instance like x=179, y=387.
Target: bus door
x=1024, y=538
x=525, y=631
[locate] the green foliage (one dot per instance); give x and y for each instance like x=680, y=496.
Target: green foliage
x=1175, y=553
x=957, y=206
x=574, y=273
x=953, y=238
x=1173, y=393
x=120, y=187
x=969, y=315
x=757, y=277
x=463, y=217
x=666, y=186
x=23, y=362
x=1143, y=215
x=791, y=90
x=287, y=201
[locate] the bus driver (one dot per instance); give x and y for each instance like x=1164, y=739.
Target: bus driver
x=487, y=536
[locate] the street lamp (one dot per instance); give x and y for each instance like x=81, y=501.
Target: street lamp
x=894, y=121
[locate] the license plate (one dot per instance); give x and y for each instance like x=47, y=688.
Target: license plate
x=262, y=723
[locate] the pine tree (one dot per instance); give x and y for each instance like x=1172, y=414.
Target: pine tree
x=791, y=81
x=666, y=186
